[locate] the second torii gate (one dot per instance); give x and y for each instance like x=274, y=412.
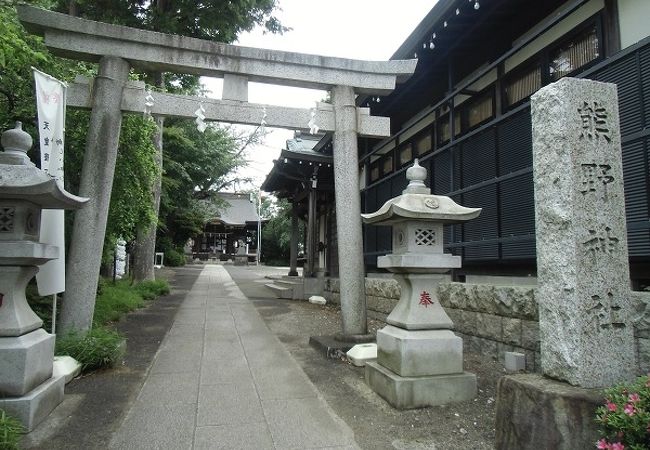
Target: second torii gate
x=117, y=48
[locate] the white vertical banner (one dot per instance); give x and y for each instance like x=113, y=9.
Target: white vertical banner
x=50, y=104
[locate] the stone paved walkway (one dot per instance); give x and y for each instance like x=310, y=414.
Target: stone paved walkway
x=222, y=380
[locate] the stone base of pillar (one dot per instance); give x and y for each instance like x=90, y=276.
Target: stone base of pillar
x=293, y=273
x=33, y=407
x=335, y=346
x=313, y=286
x=535, y=412
x=241, y=260
x=419, y=392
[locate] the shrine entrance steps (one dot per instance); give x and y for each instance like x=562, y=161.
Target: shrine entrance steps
x=286, y=287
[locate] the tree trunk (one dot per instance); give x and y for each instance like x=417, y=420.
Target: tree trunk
x=145, y=243
x=73, y=8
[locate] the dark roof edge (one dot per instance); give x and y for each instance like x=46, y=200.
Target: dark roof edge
x=421, y=32
x=306, y=155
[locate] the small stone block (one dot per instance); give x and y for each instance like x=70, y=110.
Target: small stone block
x=235, y=87
x=33, y=408
x=514, y=361
x=360, y=354
x=317, y=300
x=26, y=362
x=67, y=367
x=419, y=392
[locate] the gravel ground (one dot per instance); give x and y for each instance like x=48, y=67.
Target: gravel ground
x=460, y=426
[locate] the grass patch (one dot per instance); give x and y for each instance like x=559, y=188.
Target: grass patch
x=114, y=300
x=152, y=289
x=102, y=347
x=99, y=348
x=10, y=432
x=118, y=298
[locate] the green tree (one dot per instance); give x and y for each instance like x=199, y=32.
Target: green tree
x=130, y=206
x=196, y=166
x=19, y=52
x=215, y=20
x=276, y=234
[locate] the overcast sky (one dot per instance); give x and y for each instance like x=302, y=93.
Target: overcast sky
x=358, y=29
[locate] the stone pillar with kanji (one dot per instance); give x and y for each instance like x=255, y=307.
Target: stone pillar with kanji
x=419, y=358
x=585, y=311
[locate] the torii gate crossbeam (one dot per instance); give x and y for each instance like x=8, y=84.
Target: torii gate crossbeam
x=118, y=47
x=87, y=40
x=79, y=95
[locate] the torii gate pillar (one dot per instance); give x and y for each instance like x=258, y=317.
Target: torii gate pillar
x=348, y=210
x=84, y=257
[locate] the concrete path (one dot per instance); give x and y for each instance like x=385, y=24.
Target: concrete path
x=222, y=380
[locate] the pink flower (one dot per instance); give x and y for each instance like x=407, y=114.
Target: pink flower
x=634, y=398
x=603, y=445
x=617, y=446
x=629, y=409
x=611, y=406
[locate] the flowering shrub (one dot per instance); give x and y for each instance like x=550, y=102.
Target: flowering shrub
x=625, y=417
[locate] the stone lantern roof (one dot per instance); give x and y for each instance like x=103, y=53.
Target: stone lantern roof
x=417, y=203
x=20, y=179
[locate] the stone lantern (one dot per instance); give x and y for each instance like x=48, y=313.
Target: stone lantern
x=419, y=358
x=28, y=389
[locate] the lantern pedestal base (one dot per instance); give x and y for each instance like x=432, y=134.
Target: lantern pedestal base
x=26, y=362
x=419, y=353
x=419, y=392
x=33, y=407
x=418, y=307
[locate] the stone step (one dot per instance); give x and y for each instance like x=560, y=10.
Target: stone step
x=292, y=278
x=287, y=283
x=280, y=291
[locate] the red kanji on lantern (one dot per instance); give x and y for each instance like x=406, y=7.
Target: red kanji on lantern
x=425, y=299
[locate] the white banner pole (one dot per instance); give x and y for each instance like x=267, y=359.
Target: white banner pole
x=53, y=314
x=50, y=103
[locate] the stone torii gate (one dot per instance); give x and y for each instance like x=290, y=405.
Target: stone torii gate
x=118, y=48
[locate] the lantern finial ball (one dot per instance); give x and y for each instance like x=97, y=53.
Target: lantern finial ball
x=416, y=174
x=16, y=140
